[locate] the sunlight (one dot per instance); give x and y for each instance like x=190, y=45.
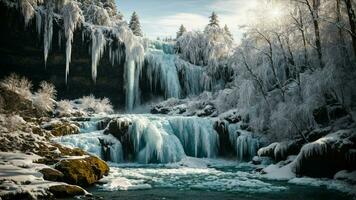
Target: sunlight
x=276, y=12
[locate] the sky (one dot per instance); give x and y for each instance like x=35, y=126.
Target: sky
x=161, y=18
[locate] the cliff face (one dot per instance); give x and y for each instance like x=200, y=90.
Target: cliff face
x=21, y=52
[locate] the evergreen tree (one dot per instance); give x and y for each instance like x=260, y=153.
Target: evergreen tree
x=214, y=20
x=135, y=25
x=227, y=32
x=181, y=31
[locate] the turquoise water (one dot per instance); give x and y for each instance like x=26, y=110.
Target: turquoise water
x=219, y=179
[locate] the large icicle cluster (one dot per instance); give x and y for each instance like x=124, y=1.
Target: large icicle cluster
x=149, y=139
x=72, y=16
x=97, y=49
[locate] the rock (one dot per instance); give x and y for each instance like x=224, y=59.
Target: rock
x=256, y=160
x=208, y=110
x=119, y=128
x=321, y=115
x=225, y=146
x=318, y=133
x=267, y=151
x=281, y=150
x=62, y=191
x=328, y=155
x=83, y=171
x=51, y=174
x=232, y=117
x=159, y=110
x=102, y=124
x=64, y=128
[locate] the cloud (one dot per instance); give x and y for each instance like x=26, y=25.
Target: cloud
x=189, y=20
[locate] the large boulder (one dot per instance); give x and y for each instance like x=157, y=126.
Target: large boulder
x=51, y=174
x=63, y=191
x=281, y=150
x=328, y=155
x=84, y=171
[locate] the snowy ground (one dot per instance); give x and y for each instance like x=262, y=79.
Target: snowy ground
x=19, y=174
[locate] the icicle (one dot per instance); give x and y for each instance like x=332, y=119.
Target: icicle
x=130, y=84
x=197, y=136
x=27, y=11
x=161, y=69
x=97, y=50
x=48, y=30
x=59, y=39
x=72, y=15
x=39, y=23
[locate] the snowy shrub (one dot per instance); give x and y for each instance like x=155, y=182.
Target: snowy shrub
x=44, y=98
x=90, y=104
x=17, y=84
x=64, y=108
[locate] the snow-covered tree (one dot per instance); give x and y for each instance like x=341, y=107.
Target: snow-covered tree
x=181, y=31
x=135, y=25
x=214, y=20
x=227, y=32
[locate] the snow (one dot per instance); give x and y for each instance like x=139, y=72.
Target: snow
x=280, y=171
x=18, y=174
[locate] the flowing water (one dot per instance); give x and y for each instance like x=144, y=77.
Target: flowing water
x=177, y=158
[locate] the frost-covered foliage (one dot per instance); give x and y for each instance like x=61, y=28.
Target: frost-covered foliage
x=44, y=98
x=97, y=15
x=20, y=85
x=90, y=104
x=282, y=73
x=205, y=48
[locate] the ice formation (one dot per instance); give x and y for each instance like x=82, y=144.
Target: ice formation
x=154, y=139
x=72, y=16
x=97, y=50
x=245, y=144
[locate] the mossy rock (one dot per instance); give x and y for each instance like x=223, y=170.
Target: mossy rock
x=84, y=171
x=62, y=191
x=65, y=128
x=50, y=157
x=51, y=174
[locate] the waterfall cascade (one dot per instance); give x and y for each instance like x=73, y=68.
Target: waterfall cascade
x=159, y=139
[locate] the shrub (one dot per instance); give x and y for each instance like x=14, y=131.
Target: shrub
x=17, y=84
x=44, y=97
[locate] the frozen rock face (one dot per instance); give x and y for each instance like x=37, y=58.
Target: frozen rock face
x=30, y=63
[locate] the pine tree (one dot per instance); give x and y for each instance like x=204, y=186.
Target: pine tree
x=181, y=31
x=227, y=32
x=135, y=25
x=214, y=20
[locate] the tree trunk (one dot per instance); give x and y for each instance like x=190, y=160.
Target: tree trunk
x=317, y=32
